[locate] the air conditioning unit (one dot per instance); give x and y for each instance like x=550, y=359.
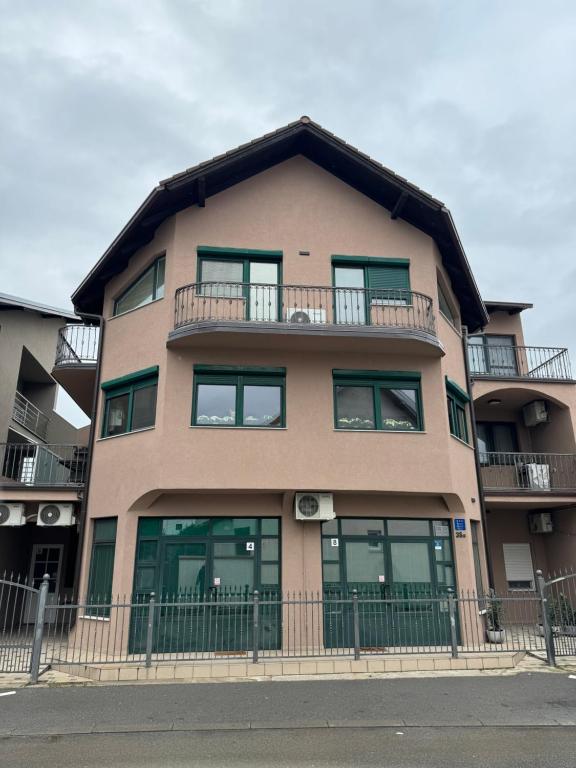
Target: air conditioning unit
x=314, y=506
x=536, y=476
x=55, y=514
x=535, y=413
x=540, y=522
x=305, y=316
x=12, y=514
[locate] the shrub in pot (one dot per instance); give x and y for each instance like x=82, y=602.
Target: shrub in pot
x=561, y=614
x=495, y=632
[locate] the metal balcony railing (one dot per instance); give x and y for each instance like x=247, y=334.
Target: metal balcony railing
x=528, y=472
x=77, y=344
x=303, y=305
x=29, y=415
x=512, y=362
x=42, y=465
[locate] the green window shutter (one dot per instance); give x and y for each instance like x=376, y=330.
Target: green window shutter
x=388, y=278
x=101, y=567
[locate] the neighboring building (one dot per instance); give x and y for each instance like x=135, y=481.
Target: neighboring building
x=525, y=408
x=273, y=348
x=42, y=456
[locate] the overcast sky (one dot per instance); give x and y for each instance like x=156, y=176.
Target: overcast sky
x=473, y=101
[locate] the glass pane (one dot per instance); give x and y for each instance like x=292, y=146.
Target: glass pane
x=145, y=578
x=160, y=270
x=237, y=573
x=100, y=587
x=216, y=404
x=476, y=355
x=329, y=552
x=331, y=573
x=235, y=526
x=362, y=527
x=330, y=528
x=105, y=530
x=444, y=305
x=408, y=528
x=184, y=569
x=147, y=550
x=410, y=562
x=350, y=304
x=399, y=409
x=142, y=292
x=187, y=526
x=504, y=437
x=501, y=355
x=232, y=549
x=117, y=415
x=269, y=575
x=462, y=423
x=355, y=407
x=445, y=575
x=442, y=549
x=269, y=549
x=483, y=438
x=262, y=406
x=220, y=273
x=263, y=297
x=364, y=561
x=144, y=407
x=269, y=526
x=149, y=526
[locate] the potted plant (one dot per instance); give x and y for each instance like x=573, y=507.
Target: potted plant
x=495, y=632
x=562, y=615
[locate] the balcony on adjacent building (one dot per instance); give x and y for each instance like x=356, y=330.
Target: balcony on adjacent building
x=528, y=473
x=500, y=361
x=43, y=466
x=75, y=363
x=30, y=416
x=303, y=313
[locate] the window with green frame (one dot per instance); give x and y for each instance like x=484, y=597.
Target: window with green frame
x=388, y=401
x=145, y=289
x=457, y=400
x=363, y=282
x=231, y=270
x=130, y=402
x=101, y=566
x=238, y=397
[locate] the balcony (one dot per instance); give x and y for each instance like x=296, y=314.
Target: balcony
x=302, y=313
x=529, y=473
x=42, y=466
x=75, y=364
x=30, y=416
x=511, y=362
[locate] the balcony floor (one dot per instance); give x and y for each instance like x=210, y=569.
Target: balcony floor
x=78, y=380
x=305, y=337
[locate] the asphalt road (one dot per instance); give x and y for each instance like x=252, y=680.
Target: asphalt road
x=525, y=720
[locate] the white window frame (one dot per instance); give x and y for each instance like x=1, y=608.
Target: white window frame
x=519, y=565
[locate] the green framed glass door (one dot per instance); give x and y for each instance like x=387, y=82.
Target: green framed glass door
x=263, y=294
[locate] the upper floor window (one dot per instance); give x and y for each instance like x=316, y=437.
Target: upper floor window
x=148, y=287
x=130, y=402
x=379, y=400
x=362, y=284
x=238, y=397
x=457, y=401
x=445, y=305
x=492, y=355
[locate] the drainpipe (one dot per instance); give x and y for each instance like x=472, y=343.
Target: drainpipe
x=88, y=474
x=483, y=517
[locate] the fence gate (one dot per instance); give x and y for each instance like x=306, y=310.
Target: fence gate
x=560, y=593
x=17, y=624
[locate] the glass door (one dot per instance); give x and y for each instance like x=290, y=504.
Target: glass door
x=349, y=295
x=263, y=298
x=45, y=559
x=501, y=355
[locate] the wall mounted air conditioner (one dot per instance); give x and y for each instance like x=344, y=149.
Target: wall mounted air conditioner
x=305, y=316
x=540, y=522
x=12, y=514
x=314, y=506
x=536, y=476
x=55, y=515
x=535, y=413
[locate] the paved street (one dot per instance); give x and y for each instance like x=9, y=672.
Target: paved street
x=523, y=720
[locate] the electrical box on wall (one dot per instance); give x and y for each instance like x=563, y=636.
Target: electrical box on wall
x=540, y=522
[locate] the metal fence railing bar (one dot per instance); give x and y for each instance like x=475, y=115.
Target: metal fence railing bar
x=43, y=465
x=508, y=361
x=528, y=472
x=77, y=345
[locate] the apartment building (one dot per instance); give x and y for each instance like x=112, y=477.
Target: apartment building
x=525, y=406
x=283, y=401
x=42, y=456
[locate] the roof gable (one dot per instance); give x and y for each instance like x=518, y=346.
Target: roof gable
x=303, y=137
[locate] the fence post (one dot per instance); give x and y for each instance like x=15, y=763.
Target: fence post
x=150, y=629
x=356, y=618
x=548, y=630
x=39, y=629
x=453, y=632
x=255, y=622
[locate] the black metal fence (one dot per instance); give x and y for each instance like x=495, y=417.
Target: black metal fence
x=531, y=472
x=507, y=361
x=303, y=305
x=77, y=344
x=41, y=630
x=45, y=465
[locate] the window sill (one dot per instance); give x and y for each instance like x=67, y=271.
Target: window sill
x=125, y=434
x=463, y=442
x=248, y=429
x=87, y=617
x=383, y=431
x=129, y=311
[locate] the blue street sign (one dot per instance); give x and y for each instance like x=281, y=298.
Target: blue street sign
x=459, y=524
